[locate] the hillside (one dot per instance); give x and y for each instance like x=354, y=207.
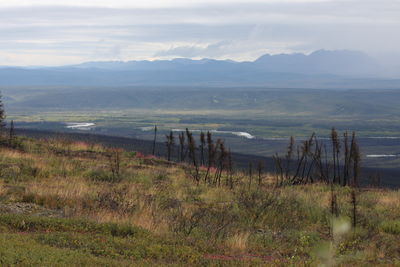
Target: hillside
x=73, y=203
x=389, y=177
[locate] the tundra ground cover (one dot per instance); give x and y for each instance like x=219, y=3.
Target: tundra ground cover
x=77, y=203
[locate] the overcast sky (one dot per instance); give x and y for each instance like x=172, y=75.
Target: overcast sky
x=56, y=32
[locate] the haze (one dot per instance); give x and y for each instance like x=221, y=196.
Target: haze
x=67, y=32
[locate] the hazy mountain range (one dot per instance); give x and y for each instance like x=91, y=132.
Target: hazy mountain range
x=331, y=69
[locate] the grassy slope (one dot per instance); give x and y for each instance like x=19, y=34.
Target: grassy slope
x=153, y=213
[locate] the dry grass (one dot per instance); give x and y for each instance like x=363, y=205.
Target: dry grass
x=389, y=198
x=15, y=154
x=238, y=242
x=165, y=200
x=71, y=188
x=148, y=220
x=3, y=189
x=84, y=146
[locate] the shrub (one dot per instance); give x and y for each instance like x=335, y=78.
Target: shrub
x=160, y=177
x=116, y=200
x=100, y=175
x=46, y=224
x=391, y=227
x=11, y=173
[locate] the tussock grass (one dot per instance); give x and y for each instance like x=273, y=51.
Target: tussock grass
x=238, y=242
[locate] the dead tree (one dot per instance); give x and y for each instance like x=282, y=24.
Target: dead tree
x=288, y=157
x=221, y=162
x=299, y=164
x=310, y=155
x=337, y=150
x=192, y=153
x=334, y=141
x=355, y=159
x=355, y=156
x=260, y=168
x=155, y=140
x=181, y=146
x=11, y=135
x=211, y=151
x=278, y=170
x=318, y=161
x=2, y=115
x=202, y=145
x=170, y=144
x=334, y=206
x=250, y=174
x=115, y=163
x=347, y=159
x=302, y=159
x=312, y=162
x=354, y=207
x=230, y=169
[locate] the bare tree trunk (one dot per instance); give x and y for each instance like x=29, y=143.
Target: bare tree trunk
x=260, y=168
x=250, y=174
x=354, y=207
x=155, y=140
x=346, y=159
x=334, y=141
x=202, y=142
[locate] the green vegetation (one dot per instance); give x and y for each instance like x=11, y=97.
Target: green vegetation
x=76, y=203
x=262, y=112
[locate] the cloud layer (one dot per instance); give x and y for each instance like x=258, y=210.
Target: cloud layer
x=44, y=32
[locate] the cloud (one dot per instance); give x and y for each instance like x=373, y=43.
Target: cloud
x=242, y=50
x=70, y=30
x=193, y=51
x=138, y=4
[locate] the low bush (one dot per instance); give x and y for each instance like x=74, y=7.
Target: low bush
x=101, y=175
x=44, y=224
x=391, y=227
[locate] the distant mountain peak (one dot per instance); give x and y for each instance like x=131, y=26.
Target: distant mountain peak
x=336, y=62
x=267, y=69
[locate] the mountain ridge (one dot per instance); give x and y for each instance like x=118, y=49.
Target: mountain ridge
x=320, y=69
x=324, y=56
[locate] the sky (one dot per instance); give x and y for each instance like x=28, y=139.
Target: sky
x=59, y=32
